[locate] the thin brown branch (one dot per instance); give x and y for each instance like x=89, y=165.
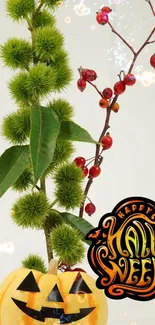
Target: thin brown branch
x=151, y=42
x=106, y=127
x=89, y=183
x=140, y=50
x=97, y=161
x=146, y=42
x=122, y=38
x=151, y=6
x=99, y=92
x=108, y=113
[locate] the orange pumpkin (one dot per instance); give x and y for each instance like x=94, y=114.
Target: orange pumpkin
x=28, y=297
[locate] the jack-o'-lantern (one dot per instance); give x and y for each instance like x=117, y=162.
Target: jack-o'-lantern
x=28, y=297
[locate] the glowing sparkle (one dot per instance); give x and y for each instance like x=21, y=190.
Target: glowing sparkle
x=67, y=20
x=66, y=3
x=139, y=68
x=7, y=248
x=147, y=78
x=81, y=9
x=82, y=298
x=112, y=15
x=92, y=27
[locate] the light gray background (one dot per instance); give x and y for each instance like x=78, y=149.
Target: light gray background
x=129, y=167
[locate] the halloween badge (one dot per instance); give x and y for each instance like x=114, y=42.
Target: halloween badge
x=30, y=297
x=122, y=252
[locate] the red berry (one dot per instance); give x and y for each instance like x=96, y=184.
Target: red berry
x=102, y=18
x=107, y=141
x=103, y=103
x=119, y=87
x=106, y=9
x=80, y=161
x=93, y=75
x=81, y=84
x=129, y=79
x=94, y=171
x=115, y=107
x=107, y=93
x=90, y=209
x=85, y=171
x=86, y=74
x=90, y=75
x=152, y=60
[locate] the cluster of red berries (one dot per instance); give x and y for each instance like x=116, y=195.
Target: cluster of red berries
x=107, y=94
x=102, y=15
x=80, y=162
x=95, y=170
x=119, y=88
x=86, y=75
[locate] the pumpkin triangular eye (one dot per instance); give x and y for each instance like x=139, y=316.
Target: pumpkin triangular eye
x=55, y=295
x=29, y=284
x=80, y=286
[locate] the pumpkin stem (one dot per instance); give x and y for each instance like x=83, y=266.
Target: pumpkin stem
x=53, y=267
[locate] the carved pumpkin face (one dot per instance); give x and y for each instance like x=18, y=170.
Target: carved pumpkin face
x=28, y=297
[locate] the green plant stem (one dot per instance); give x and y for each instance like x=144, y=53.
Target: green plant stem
x=53, y=203
x=48, y=244
x=40, y=6
x=43, y=185
x=47, y=230
x=36, y=102
x=31, y=28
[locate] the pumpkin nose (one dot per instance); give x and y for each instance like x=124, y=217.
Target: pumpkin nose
x=55, y=295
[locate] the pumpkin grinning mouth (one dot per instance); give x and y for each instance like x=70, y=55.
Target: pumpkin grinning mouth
x=47, y=312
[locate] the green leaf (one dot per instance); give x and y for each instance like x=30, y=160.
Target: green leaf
x=79, y=223
x=71, y=131
x=44, y=132
x=12, y=163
